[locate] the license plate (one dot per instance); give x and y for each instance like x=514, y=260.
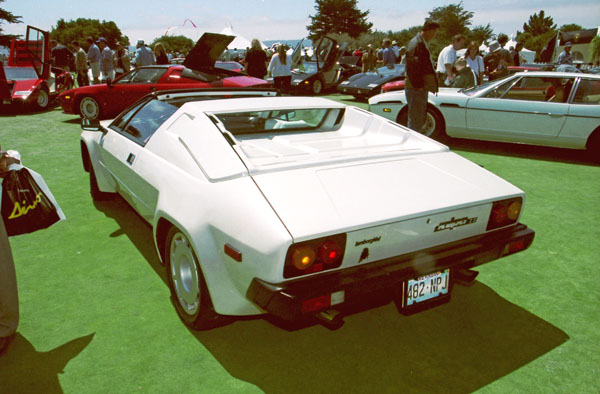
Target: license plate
x=6, y=101
x=427, y=287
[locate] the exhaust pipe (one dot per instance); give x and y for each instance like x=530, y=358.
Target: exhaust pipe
x=330, y=318
x=464, y=276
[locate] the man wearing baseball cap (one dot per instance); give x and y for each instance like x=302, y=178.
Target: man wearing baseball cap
x=565, y=56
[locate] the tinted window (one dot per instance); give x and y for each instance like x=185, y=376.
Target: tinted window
x=588, y=92
x=121, y=122
x=147, y=120
x=541, y=89
x=19, y=73
x=499, y=90
x=395, y=69
x=258, y=122
x=143, y=75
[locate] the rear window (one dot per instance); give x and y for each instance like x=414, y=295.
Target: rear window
x=283, y=120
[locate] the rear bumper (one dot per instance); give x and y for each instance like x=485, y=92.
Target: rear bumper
x=285, y=299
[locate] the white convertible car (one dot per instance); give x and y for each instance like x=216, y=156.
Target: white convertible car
x=298, y=206
x=539, y=108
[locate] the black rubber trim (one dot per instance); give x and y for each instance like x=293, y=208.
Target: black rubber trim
x=284, y=300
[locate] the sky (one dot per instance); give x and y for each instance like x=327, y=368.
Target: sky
x=280, y=19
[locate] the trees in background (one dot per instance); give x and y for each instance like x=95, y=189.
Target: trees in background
x=67, y=31
x=180, y=44
x=537, y=32
x=338, y=16
x=8, y=17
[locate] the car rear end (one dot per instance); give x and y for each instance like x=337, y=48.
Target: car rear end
x=371, y=207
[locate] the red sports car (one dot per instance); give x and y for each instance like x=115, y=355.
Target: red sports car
x=106, y=101
x=28, y=77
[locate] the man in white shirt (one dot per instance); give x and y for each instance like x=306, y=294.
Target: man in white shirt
x=446, y=59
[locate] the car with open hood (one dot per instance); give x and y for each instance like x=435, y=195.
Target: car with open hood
x=548, y=108
x=365, y=85
x=28, y=77
x=322, y=70
x=298, y=206
x=105, y=101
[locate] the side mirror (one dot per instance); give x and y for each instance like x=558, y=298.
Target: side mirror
x=109, y=83
x=91, y=125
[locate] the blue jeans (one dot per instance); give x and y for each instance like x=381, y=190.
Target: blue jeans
x=417, y=108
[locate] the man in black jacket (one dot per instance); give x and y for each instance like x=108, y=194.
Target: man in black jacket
x=420, y=75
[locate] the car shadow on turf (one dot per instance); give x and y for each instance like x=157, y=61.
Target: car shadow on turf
x=563, y=155
x=475, y=339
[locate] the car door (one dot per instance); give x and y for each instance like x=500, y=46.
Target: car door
x=131, y=87
x=522, y=109
x=584, y=112
x=123, y=145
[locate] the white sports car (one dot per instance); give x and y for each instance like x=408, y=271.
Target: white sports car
x=297, y=206
x=540, y=108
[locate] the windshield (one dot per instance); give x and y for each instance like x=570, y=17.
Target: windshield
x=396, y=69
x=141, y=75
x=476, y=89
x=20, y=73
x=309, y=68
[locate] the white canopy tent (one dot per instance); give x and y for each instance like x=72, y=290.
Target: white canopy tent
x=239, y=42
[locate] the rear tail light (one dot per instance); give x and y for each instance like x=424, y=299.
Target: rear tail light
x=504, y=213
x=314, y=256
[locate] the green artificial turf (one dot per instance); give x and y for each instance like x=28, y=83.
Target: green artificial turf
x=96, y=315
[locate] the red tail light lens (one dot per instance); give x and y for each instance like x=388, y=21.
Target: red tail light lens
x=314, y=256
x=504, y=213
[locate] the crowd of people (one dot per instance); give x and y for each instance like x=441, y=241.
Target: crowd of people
x=103, y=62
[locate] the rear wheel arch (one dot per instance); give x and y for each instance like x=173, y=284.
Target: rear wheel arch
x=593, y=144
x=162, y=230
x=593, y=140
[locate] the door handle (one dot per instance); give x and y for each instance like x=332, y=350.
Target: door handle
x=152, y=88
x=130, y=159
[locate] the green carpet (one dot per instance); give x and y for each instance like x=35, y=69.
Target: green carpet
x=96, y=315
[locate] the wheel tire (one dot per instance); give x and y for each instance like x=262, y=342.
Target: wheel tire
x=189, y=293
x=97, y=194
x=593, y=146
x=433, y=127
x=89, y=108
x=43, y=99
x=317, y=86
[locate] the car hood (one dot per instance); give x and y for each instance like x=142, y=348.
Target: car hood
x=207, y=50
x=313, y=202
